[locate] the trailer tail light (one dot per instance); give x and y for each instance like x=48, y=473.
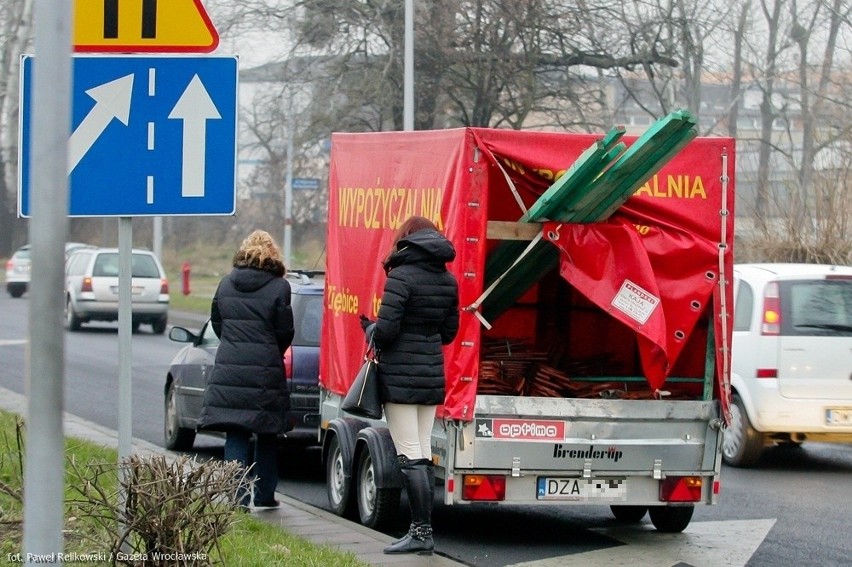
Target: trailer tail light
x=484, y=487
x=87, y=284
x=771, y=324
x=681, y=489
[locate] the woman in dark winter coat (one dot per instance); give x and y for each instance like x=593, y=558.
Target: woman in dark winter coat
x=419, y=314
x=247, y=393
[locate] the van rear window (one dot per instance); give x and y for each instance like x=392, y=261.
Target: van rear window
x=816, y=307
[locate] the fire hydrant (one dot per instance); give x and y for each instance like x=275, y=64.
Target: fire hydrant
x=185, y=277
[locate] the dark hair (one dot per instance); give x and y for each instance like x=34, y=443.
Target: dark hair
x=407, y=228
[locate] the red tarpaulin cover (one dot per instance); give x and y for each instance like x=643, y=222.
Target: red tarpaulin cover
x=653, y=265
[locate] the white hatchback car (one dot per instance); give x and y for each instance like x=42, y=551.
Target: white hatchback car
x=18, y=271
x=791, y=358
x=91, y=288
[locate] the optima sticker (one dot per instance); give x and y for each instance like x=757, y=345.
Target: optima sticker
x=521, y=429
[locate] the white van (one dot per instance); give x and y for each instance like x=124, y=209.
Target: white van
x=791, y=358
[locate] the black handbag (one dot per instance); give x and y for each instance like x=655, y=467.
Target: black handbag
x=362, y=399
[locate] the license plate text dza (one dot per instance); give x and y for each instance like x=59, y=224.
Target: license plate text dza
x=579, y=489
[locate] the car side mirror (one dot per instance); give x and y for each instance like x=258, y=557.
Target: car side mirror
x=181, y=335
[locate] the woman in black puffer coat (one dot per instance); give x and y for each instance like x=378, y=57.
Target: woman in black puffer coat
x=246, y=393
x=419, y=314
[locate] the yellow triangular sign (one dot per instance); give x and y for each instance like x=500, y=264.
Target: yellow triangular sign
x=143, y=25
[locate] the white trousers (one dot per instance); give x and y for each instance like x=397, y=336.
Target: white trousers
x=411, y=429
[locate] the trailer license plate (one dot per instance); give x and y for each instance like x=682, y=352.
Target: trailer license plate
x=581, y=489
x=838, y=416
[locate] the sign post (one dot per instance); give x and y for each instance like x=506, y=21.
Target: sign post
x=44, y=465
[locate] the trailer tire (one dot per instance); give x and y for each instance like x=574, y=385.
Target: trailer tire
x=338, y=482
x=671, y=519
x=377, y=506
x=742, y=445
x=629, y=514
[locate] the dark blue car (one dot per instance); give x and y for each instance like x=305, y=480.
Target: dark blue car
x=191, y=367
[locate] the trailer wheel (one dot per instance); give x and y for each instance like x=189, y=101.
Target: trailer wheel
x=741, y=443
x=377, y=507
x=629, y=514
x=671, y=519
x=337, y=482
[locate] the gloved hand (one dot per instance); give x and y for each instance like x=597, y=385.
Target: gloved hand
x=365, y=321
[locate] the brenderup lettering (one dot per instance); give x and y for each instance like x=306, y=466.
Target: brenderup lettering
x=610, y=453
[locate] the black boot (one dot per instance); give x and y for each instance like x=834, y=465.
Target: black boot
x=430, y=475
x=419, y=537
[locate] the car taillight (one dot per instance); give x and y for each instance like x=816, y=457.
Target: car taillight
x=484, y=487
x=681, y=489
x=288, y=364
x=87, y=284
x=164, y=286
x=8, y=264
x=771, y=324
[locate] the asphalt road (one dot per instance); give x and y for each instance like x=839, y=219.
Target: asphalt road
x=792, y=510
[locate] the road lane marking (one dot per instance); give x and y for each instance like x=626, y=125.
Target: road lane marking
x=702, y=544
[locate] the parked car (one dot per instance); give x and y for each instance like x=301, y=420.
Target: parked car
x=18, y=272
x=189, y=370
x=91, y=288
x=791, y=358
x=18, y=268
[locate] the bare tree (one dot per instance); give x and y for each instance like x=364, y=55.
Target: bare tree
x=15, y=39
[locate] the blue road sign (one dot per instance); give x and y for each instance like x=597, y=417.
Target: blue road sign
x=151, y=136
x=306, y=183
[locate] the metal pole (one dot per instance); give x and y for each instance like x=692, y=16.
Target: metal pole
x=125, y=316
x=51, y=121
x=408, y=75
x=158, y=238
x=288, y=187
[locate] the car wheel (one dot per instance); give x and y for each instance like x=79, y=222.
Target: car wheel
x=16, y=292
x=377, y=507
x=159, y=326
x=671, y=519
x=72, y=321
x=338, y=484
x=177, y=438
x=741, y=444
x=629, y=514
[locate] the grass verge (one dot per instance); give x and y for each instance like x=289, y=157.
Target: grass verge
x=249, y=542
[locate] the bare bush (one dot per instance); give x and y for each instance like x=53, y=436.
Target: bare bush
x=164, y=513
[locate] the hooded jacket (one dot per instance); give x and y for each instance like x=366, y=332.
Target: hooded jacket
x=252, y=316
x=418, y=314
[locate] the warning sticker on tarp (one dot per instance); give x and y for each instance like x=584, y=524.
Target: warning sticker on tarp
x=635, y=302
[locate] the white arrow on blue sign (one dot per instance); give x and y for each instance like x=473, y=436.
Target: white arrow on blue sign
x=151, y=136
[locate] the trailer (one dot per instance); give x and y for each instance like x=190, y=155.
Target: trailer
x=591, y=365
